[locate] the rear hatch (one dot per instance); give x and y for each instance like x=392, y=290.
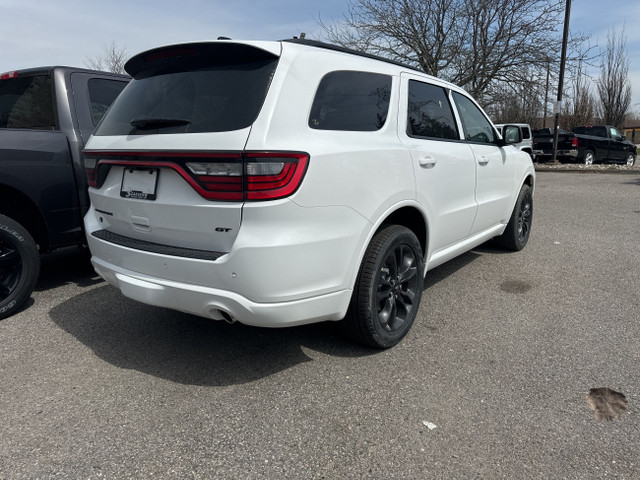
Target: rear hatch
x=167, y=163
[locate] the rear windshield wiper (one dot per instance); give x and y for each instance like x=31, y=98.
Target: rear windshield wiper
x=149, y=123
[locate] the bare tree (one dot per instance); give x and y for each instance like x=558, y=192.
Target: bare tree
x=614, y=87
x=495, y=49
x=581, y=107
x=472, y=43
x=112, y=59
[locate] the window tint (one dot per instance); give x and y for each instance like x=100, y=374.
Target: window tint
x=27, y=102
x=191, y=98
x=477, y=127
x=526, y=133
x=614, y=133
x=102, y=93
x=352, y=101
x=429, y=112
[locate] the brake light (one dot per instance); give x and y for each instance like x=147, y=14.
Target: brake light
x=90, y=168
x=243, y=176
x=574, y=142
x=8, y=75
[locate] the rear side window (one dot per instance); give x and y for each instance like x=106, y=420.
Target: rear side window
x=193, y=89
x=526, y=133
x=102, y=93
x=477, y=127
x=27, y=102
x=430, y=113
x=351, y=101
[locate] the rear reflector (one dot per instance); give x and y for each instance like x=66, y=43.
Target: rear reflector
x=245, y=176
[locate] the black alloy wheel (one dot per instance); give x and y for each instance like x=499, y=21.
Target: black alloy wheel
x=518, y=230
x=19, y=266
x=388, y=289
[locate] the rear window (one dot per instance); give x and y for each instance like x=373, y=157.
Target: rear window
x=526, y=133
x=351, y=101
x=27, y=102
x=598, y=131
x=194, y=90
x=102, y=93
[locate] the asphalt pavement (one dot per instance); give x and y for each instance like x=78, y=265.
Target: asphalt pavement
x=491, y=382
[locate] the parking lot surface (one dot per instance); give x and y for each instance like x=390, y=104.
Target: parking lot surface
x=491, y=381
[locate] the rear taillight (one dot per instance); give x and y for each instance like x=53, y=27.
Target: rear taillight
x=90, y=168
x=215, y=176
x=8, y=75
x=574, y=142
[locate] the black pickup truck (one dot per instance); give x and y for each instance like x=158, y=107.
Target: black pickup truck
x=543, y=145
x=585, y=144
x=46, y=116
x=603, y=143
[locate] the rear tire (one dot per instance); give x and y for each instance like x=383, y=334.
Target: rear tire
x=388, y=289
x=588, y=158
x=516, y=235
x=19, y=266
x=630, y=160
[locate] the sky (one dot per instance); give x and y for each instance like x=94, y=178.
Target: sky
x=68, y=32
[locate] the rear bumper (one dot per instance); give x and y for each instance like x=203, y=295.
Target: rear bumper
x=573, y=153
x=221, y=304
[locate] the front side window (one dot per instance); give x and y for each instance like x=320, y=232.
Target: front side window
x=351, y=101
x=429, y=112
x=614, y=133
x=27, y=102
x=477, y=127
x=102, y=93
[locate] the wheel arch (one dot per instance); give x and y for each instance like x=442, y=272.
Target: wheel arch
x=19, y=207
x=407, y=214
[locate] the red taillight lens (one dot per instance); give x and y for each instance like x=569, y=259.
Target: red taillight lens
x=215, y=176
x=90, y=168
x=574, y=142
x=273, y=175
x=8, y=75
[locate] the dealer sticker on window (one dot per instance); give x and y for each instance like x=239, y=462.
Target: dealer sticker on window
x=139, y=183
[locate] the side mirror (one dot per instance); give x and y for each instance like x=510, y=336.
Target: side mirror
x=511, y=135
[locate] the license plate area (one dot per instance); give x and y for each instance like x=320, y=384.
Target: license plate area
x=139, y=183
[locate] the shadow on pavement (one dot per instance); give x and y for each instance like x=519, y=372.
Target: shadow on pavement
x=65, y=266
x=191, y=350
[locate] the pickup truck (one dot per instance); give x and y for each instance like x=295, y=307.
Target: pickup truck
x=46, y=116
x=543, y=145
x=603, y=143
x=585, y=144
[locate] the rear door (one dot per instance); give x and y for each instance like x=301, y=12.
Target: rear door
x=444, y=165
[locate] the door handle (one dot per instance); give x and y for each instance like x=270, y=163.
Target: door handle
x=483, y=160
x=427, y=162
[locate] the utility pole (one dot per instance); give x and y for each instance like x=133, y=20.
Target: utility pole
x=565, y=35
x=546, y=96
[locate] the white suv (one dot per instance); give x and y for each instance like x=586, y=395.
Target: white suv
x=283, y=183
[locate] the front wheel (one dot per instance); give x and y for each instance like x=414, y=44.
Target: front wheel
x=516, y=235
x=388, y=289
x=19, y=266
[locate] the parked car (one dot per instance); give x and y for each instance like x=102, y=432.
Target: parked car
x=603, y=143
x=46, y=116
x=543, y=139
x=526, y=144
x=284, y=183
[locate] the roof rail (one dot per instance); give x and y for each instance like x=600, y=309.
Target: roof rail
x=338, y=48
